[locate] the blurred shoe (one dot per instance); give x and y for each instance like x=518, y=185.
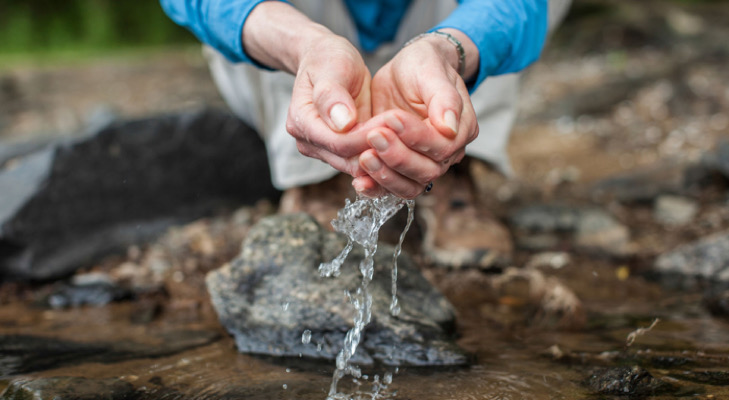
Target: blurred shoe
x=459, y=230
x=320, y=200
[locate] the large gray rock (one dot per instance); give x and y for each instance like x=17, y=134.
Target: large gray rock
x=273, y=292
x=565, y=227
x=67, y=203
x=706, y=260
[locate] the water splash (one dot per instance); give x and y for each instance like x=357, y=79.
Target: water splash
x=361, y=221
x=306, y=337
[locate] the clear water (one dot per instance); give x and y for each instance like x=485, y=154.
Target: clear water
x=361, y=221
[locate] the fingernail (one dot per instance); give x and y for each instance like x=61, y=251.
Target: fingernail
x=339, y=114
x=371, y=163
x=394, y=123
x=378, y=141
x=449, y=119
x=358, y=185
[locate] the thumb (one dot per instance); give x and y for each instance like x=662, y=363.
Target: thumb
x=335, y=105
x=445, y=106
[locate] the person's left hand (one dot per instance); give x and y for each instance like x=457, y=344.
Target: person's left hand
x=427, y=108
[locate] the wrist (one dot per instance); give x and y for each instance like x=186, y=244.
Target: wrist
x=456, y=48
x=448, y=47
x=277, y=35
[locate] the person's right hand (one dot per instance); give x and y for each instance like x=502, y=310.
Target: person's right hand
x=331, y=96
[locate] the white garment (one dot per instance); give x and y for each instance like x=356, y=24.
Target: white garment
x=261, y=98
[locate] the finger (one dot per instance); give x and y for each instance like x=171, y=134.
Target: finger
x=444, y=103
x=335, y=105
x=405, y=161
x=366, y=186
x=420, y=136
x=390, y=180
x=305, y=124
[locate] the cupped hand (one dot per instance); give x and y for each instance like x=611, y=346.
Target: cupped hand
x=428, y=120
x=331, y=96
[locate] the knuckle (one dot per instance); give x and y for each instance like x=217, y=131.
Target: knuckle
x=440, y=155
x=397, y=162
x=433, y=175
x=336, y=148
x=305, y=149
x=411, y=193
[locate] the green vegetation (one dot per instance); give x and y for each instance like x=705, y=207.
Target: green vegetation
x=32, y=27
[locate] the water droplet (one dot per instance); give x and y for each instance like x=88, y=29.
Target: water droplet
x=306, y=337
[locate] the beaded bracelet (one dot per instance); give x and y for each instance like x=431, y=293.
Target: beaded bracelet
x=452, y=39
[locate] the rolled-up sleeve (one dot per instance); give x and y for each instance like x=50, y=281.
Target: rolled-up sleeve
x=218, y=23
x=509, y=34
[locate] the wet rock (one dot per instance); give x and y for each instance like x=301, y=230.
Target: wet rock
x=13, y=151
x=674, y=210
x=552, y=226
x=551, y=304
x=718, y=304
x=625, y=381
x=22, y=354
x=273, y=292
x=719, y=159
x=68, y=388
x=704, y=260
x=87, y=289
x=642, y=185
x=65, y=204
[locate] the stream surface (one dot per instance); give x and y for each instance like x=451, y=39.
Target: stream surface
x=196, y=359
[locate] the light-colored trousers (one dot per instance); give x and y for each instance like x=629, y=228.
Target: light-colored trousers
x=261, y=98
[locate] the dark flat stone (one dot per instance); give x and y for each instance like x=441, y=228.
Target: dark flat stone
x=65, y=204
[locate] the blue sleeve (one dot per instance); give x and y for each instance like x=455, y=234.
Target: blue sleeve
x=218, y=23
x=509, y=34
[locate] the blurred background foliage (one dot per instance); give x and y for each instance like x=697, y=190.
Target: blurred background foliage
x=43, y=26
x=53, y=26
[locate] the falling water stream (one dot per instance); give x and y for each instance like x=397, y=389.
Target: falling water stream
x=361, y=221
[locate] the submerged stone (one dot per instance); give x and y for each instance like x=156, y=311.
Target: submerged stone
x=718, y=304
x=273, y=292
x=625, y=381
x=704, y=260
x=555, y=226
x=68, y=388
x=88, y=289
